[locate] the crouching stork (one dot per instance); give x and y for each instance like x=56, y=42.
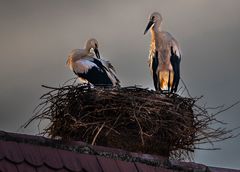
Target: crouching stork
x=92, y=69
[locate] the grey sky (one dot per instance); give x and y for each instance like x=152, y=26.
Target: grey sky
x=36, y=37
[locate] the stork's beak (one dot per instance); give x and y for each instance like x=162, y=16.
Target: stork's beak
x=150, y=23
x=97, y=53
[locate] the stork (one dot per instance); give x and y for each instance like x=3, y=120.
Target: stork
x=164, y=56
x=95, y=70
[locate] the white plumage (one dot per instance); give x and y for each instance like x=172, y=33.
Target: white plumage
x=97, y=71
x=164, y=56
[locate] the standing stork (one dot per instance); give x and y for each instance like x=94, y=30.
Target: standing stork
x=164, y=56
x=96, y=71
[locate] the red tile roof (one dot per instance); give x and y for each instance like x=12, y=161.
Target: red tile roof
x=25, y=153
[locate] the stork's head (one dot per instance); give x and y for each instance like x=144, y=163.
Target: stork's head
x=93, y=43
x=153, y=19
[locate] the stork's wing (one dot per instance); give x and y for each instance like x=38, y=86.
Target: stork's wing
x=111, y=72
x=82, y=66
x=93, y=71
x=108, y=65
x=154, y=65
x=171, y=42
x=175, y=62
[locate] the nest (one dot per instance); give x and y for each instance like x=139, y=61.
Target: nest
x=131, y=118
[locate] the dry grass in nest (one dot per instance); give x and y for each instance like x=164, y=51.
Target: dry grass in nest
x=130, y=118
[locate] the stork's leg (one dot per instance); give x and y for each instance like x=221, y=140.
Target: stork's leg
x=89, y=85
x=169, y=80
x=177, y=78
x=174, y=81
x=176, y=84
x=159, y=82
x=155, y=81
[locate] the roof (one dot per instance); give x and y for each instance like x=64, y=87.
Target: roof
x=26, y=153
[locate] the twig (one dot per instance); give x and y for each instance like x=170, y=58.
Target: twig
x=95, y=137
x=134, y=114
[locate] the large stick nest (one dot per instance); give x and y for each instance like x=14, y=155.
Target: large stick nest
x=131, y=118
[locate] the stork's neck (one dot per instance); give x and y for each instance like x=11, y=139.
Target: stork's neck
x=87, y=52
x=155, y=31
x=153, y=36
x=157, y=26
x=87, y=49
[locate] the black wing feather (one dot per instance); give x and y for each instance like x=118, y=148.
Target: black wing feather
x=175, y=61
x=154, y=70
x=97, y=75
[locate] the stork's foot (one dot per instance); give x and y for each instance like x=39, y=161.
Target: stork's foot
x=89, y=85
x=160, y=91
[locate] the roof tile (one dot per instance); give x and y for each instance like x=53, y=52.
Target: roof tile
x=25, y=167
x=108, y=165
x=31, y=154
x=65, y=170
x=7, y=166
x=71, y=160
x=24, y=153
x=2, y=154
x=159, y=169
x=44, y=168
x=89, y=163
x=143, y=167
x=126, y=166
x=187, y=166
x=11, y=151
x=50, y=157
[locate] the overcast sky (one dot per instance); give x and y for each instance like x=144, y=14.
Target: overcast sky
x=36, y=37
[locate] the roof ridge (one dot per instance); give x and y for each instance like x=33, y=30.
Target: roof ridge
x=102, y=155
x=84, y=148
